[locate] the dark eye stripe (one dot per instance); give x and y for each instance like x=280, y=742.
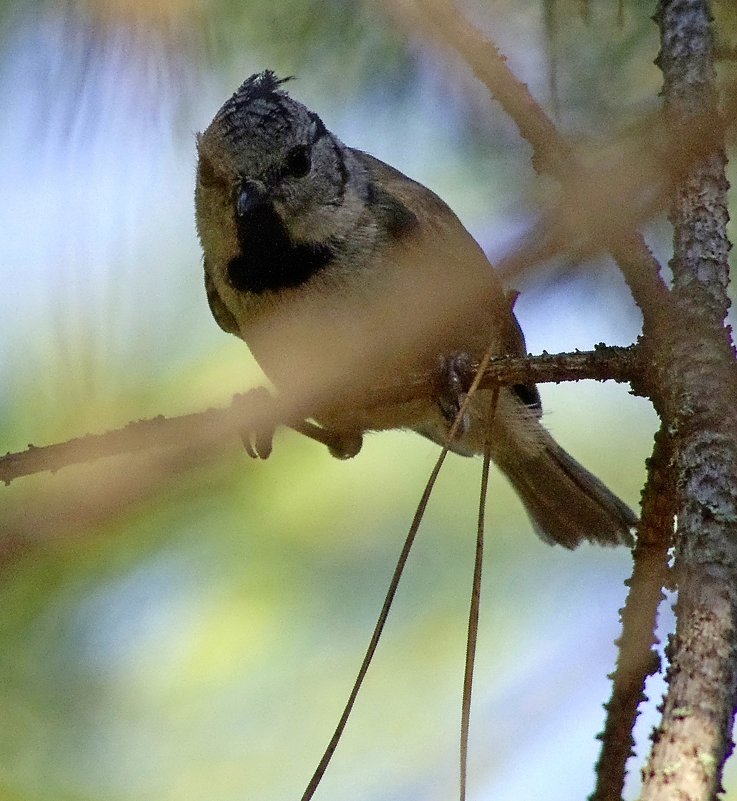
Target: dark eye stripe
x=320, y=129
x=320, y=132
x=340, y=158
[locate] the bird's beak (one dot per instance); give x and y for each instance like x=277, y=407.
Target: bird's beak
x=252, y=195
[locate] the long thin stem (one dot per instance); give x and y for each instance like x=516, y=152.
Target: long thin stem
x=393, y=584
x=473, y=616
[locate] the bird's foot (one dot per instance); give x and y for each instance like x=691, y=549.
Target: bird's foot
x=341, y=444
x=257, y=407
x=453, y=378
x=345, y=444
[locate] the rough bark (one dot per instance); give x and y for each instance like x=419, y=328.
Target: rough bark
x=694, y=388
x=637, y=658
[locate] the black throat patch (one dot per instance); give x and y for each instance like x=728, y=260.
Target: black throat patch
x=268, y=259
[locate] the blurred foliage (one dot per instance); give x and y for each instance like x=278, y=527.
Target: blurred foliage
x=182, y=630
x=344, y=40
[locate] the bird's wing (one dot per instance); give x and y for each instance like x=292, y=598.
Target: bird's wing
x=440, y=248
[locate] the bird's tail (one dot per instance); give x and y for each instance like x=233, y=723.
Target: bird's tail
x=566, y=503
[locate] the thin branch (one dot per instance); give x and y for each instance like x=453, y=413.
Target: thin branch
x=204, y=429
x=552, y=153
x=664, y=157
x=637, y=660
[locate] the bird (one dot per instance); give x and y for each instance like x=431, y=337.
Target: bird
x=340, y=273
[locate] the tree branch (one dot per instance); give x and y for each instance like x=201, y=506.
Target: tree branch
x=699, y=211
x=552, y=153
x=203, y=429
x=693, y=386
x=637, y=659
x=691, y=379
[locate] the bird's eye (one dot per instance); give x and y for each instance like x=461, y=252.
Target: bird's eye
x=298, y=162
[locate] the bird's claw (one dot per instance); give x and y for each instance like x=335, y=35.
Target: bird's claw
x=256, y=406
x=452, y=380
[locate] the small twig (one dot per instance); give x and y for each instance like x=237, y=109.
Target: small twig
x=207, y=428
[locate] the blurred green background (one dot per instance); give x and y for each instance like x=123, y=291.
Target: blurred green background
x=173, y=630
